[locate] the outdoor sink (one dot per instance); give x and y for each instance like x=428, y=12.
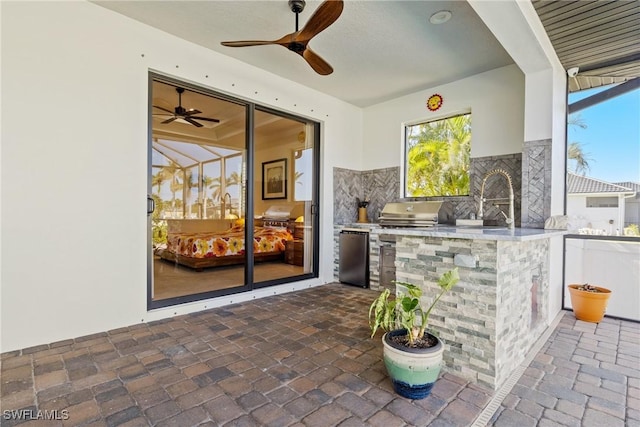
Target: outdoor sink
x=476, y=223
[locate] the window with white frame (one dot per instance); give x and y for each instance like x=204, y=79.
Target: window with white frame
x=437, y=157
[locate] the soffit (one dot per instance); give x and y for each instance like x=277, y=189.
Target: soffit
x=602, y=38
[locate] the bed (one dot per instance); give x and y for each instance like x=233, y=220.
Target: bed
x=200, y=250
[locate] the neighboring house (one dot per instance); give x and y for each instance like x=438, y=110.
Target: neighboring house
x=631, y=204
x=598, y=204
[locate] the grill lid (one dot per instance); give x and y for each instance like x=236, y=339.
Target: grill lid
x=282, y=212
x=415, y=214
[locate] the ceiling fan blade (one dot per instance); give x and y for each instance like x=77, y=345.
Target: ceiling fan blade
x=247, y=43
x=325, y=15
x=163, y=109
x=169, y=120
x=192, y=112
x=207, y=119
x=320, y=66
x=193, y=122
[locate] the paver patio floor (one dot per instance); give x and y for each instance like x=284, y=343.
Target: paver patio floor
x=297, y=359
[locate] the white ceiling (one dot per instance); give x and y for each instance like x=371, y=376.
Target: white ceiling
x=379, y=49
x=229, y=132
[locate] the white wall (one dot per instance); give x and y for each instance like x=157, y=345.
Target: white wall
x=597, y=218
x=495, y=99
x=74, y=179
x=632, y=211
x=611, y=265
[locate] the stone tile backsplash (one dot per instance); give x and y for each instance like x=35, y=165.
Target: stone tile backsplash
x=382, y=186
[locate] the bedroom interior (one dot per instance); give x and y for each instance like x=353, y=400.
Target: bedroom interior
x=199, y=194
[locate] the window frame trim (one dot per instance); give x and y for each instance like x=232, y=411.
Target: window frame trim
x=443, y=115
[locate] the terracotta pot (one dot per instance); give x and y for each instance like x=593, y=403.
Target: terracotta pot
x=413, y=371
x=589, y=306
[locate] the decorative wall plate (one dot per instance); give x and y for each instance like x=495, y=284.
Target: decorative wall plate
x=434, y=102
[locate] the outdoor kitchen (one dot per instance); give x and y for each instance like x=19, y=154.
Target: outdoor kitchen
x=498, y=310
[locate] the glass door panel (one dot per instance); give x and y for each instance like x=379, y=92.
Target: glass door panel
x=303, y=170
x=211, y=212
x=282, y=198
x=197, y=156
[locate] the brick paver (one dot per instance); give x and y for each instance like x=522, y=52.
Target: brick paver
x=306, y=359
x=585, y=375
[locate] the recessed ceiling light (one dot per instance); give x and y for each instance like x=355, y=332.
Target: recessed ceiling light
x=440, y=17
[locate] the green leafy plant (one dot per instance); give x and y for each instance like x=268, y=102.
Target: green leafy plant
x=632, y=230
x=405, y=311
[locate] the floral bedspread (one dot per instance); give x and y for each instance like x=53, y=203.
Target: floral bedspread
x=229, y=242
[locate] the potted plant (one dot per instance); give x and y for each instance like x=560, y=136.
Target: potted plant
x=589, y=302
x=412, y=356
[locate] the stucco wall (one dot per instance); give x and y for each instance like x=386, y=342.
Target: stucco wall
x=74, y=163
x=74, y=178
x=597, y=218
x=614, y=265
x=495, y=99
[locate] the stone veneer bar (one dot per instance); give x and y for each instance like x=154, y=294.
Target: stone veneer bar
x=497, y=311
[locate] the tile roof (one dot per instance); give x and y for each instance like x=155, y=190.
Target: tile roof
x=584, y=184
x=634, y=186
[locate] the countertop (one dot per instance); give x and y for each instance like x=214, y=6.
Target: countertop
x=462, y=232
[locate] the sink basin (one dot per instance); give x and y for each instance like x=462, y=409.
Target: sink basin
x=477, y=223
x=480, y=228
x=469, y=222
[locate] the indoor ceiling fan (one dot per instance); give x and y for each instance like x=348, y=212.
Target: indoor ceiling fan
x=326, y=14
x=181, y=113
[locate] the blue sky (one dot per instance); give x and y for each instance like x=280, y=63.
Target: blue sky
x=612, y=137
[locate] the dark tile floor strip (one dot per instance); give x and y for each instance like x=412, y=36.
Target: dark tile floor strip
x=300, y=359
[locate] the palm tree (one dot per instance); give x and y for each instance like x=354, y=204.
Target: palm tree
x=190, y=183
x=233, y=179
x=438, y=158
x=207, y=182
x=158, y=179
x=215, y=185
x=575, y=151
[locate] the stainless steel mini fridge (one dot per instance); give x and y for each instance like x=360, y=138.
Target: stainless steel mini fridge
x=354, y=258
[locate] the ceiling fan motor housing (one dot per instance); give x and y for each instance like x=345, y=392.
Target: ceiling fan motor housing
x=297, y=6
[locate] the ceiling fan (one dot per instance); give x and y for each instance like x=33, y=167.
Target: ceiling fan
x=326, y=14
x=182, y=113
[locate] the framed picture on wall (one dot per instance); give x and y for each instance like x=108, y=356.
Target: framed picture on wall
x=274, y=179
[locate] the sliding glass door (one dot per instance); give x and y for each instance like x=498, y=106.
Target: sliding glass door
x=283, y=197
x=232, y=189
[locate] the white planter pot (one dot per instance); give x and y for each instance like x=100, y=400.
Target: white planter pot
x=413, y=371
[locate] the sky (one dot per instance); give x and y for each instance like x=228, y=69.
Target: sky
x=612, y=138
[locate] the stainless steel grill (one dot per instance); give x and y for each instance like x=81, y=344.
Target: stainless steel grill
x=416, y=214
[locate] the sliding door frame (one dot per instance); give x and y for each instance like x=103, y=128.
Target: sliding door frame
x=250, y=184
